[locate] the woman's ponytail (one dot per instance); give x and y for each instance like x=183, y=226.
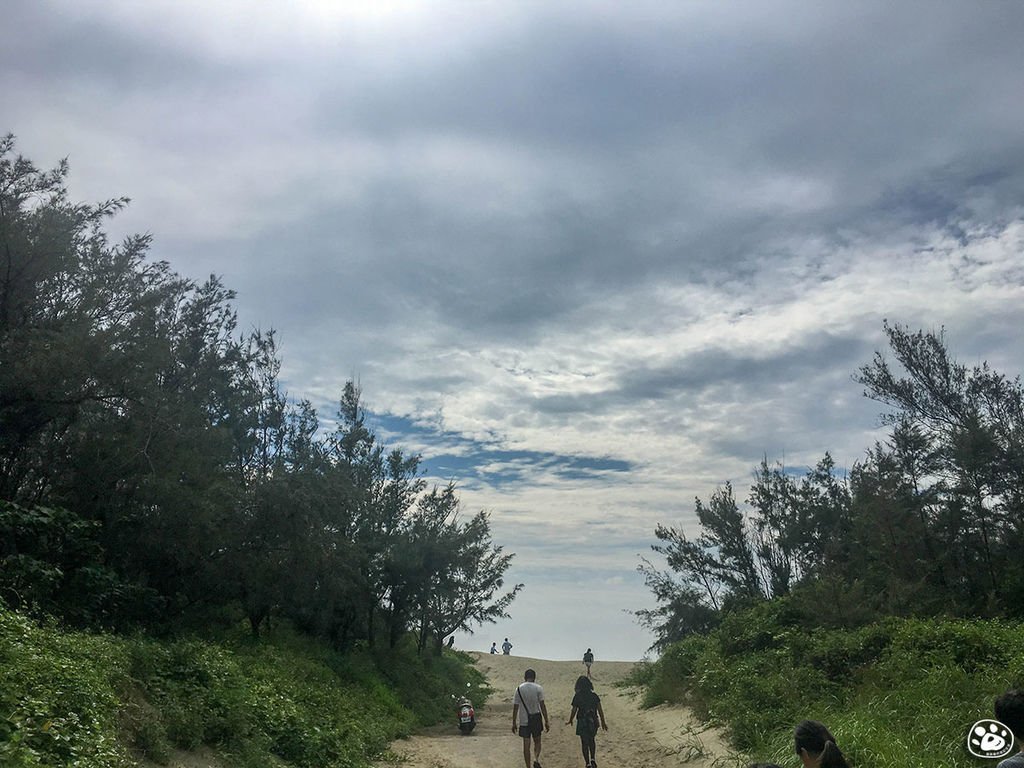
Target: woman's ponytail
x=832, y=757
x=814, y=738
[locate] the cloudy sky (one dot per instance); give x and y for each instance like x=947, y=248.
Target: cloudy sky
x=590, y=259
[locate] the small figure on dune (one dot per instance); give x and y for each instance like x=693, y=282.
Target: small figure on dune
x=588, y=659
x=587, y=706
x=494, y=647
x=506, y=647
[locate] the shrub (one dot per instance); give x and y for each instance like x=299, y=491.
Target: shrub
x=895, y=692
x=58, y=695
x=51, y=564
x=669, y=678
x=89, y=700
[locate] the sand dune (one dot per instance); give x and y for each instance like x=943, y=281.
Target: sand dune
x=655, y=738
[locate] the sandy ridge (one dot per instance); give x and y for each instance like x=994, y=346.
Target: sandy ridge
x=663, y=737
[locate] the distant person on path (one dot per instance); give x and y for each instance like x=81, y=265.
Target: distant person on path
x=529, y=700
x=451, y=641
x=1010, y=712
x=587, y=705
x=494, y=647
x=816, y=747
x=506, y=647
x=588, y=659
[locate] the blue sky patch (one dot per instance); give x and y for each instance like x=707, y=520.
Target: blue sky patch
x=465, y=459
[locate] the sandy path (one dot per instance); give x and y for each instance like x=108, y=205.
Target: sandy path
x=654, y=738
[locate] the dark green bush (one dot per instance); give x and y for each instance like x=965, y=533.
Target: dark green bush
x=969, y=644
x=839, y=654
x=51, y=564
x=669, y=678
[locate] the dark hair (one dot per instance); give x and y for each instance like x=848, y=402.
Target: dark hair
x=764, y=765
x=817, y=740
x=1010, y=712
x=583, y=684
x=529, y=675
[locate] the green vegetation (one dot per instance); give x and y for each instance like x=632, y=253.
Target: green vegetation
x=895, y=692
x=100, y=701
x=155, y=479
x=928, y=524
x=152, y=470
x=884, y=601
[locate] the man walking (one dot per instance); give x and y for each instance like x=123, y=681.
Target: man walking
x=588, y=659
x=506, y=647
x=530, y=716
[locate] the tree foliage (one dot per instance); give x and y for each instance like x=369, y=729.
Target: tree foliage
x=931, y=520
x=152, y=468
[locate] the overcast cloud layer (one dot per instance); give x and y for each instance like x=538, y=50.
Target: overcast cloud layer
x=590, y=259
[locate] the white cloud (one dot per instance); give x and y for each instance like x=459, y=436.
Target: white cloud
x=660, y=235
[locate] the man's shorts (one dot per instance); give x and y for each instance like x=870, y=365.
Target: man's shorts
x=534, y=727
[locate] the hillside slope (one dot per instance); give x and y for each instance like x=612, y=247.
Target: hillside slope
x=652, y=738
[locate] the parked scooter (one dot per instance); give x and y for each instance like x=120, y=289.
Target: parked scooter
x=467, y=715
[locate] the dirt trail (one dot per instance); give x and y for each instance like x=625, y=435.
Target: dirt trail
x=655, y=738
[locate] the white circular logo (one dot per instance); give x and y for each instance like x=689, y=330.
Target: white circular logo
x=989, y=739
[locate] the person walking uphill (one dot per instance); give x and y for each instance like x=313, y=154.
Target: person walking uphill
x=528, y=709
x=506, y=647
x=588, y=659
x=587, y=705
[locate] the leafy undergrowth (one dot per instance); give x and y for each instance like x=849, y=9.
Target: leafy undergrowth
x=103, y=701
x=896, y=692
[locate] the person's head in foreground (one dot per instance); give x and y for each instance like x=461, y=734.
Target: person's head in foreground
x=529, y=676
x=816, y=747
x=764, y=765
x=583, y=684
x=1010, y=712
